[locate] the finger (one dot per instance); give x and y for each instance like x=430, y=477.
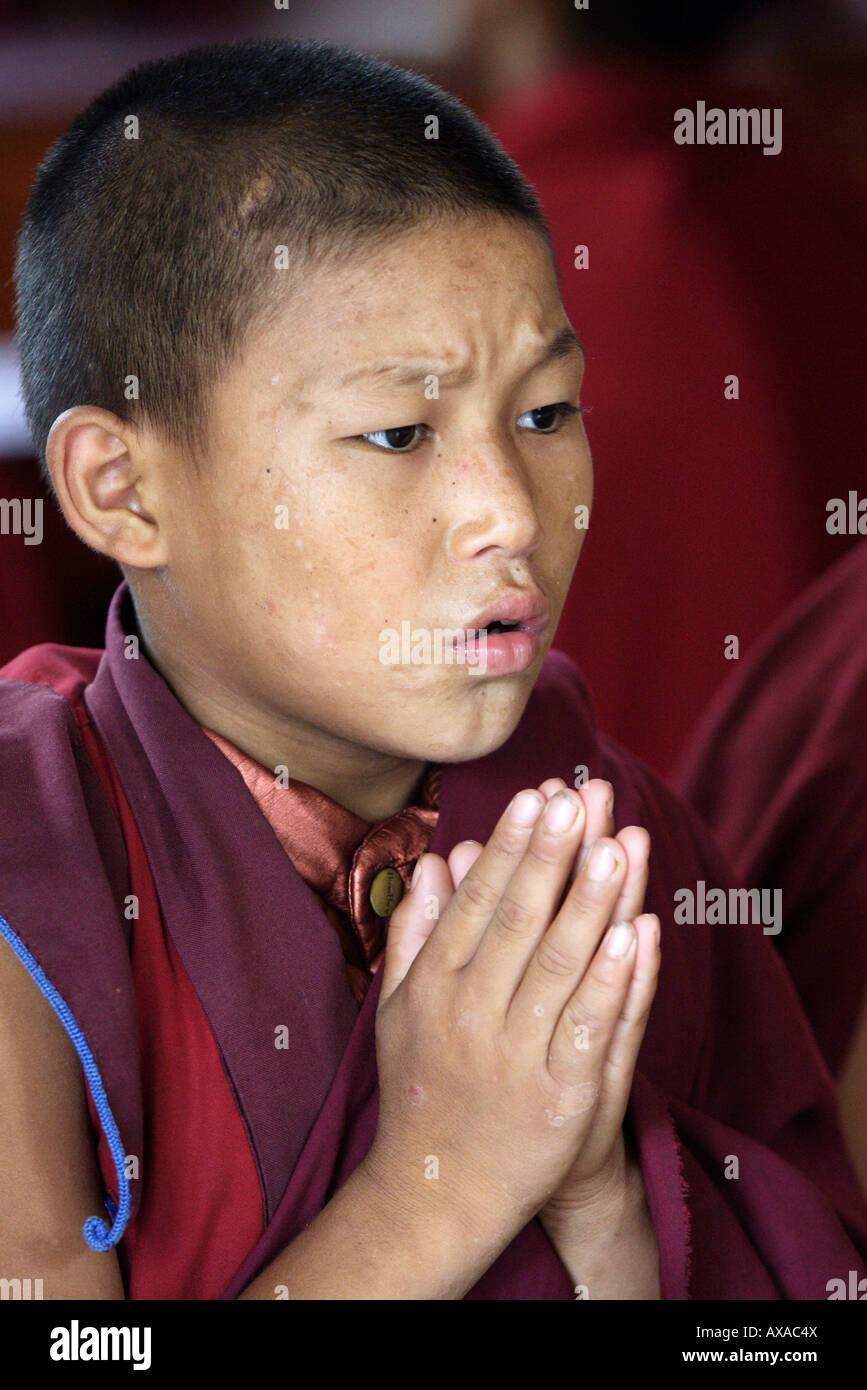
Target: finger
x=529, y=900
x=466, y=915
x=462, y=859
x=598, y=798
x=413, y=920
x=630, y=1027
x=591, y=1012
x=550, y=786
x=625, y=1042
x=466, y=852
x=636, y=843
x=565, y=950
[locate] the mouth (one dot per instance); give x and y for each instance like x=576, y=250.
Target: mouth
x=499, y=626
x=514, y=612
x=507, y=634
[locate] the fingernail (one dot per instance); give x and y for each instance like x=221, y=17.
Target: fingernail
x=561, y=811
x=618, y=939
x=610, y=797
x=601, y=864
x=525, y=808
x=416, y=873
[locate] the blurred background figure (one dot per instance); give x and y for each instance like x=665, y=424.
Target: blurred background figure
x=778, y=769
x=703, y=263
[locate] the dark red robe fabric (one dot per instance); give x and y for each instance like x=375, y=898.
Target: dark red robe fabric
x=778, y=768
x=728, y=1067
x=704, y=261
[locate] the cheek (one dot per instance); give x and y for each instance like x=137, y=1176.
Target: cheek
x=319, y=585
x=566, y=502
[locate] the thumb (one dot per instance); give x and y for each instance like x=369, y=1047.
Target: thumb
x=414, y=919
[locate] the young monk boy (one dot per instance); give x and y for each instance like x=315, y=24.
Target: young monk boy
x=294, y=355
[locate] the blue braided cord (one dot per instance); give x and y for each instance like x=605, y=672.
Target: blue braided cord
x=96, y=1231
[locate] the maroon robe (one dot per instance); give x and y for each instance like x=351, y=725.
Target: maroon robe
x=778, y=768
x=728, y=1068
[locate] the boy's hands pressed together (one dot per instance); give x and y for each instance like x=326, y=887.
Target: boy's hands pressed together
x=507, y=1036
x=586, y=1224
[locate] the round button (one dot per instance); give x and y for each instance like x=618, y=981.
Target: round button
x=386, y=891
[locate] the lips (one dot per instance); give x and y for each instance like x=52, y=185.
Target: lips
x=525, y=611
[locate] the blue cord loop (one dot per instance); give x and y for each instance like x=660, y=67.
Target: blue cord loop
x=97, y=1232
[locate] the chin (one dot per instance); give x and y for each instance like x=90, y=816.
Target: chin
x=479, y=737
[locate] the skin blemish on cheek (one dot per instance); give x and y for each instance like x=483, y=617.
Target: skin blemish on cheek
x=539, y=1010
x=416, y=1093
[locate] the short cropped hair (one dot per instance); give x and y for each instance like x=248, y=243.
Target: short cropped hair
x=143, y=262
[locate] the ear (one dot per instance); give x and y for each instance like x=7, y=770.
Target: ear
x=107, y=483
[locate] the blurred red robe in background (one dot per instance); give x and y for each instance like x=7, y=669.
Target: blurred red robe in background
x=703, y=263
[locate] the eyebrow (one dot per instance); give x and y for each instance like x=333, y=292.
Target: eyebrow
x=564, y=345
x=408, y=372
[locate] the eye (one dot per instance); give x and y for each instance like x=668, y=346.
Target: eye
x=548, y=419
x=397, y=441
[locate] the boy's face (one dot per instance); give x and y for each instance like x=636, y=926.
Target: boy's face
x=303, y=539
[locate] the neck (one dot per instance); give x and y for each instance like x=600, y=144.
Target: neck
x=371, y=784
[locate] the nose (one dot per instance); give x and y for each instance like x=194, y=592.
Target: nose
x=493, y=503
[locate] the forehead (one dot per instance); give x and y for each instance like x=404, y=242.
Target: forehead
x=480, y=288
